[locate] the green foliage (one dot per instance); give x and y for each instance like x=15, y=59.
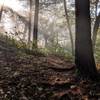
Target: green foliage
x=11, y=42
x=97, y=49
x=53, y=49
x=58, y=50
x=34, y=44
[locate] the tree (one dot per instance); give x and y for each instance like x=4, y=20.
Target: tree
x=30, y=17
x=84, y=58
x=35, y=30
x=69, y=27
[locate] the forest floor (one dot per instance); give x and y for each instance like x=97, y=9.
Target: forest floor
x=40, y=77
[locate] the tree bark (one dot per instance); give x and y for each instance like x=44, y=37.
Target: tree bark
x=35, y=30
x=84, y=58
x=30, y=21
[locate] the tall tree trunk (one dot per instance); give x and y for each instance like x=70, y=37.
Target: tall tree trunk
x=84, y=58
x=69, y=27
x=35, y=30
x=30, y=21
x=95, y=29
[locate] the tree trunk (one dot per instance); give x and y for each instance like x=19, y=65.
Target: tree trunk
x=35, y=30
x=30, y=21
x=84, y=58
x=69, y=27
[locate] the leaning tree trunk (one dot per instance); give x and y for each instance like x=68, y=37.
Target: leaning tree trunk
x=69, y=27
x=84, y=58
x=35, y=30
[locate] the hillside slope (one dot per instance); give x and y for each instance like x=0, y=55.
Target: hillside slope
x=40, y=77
